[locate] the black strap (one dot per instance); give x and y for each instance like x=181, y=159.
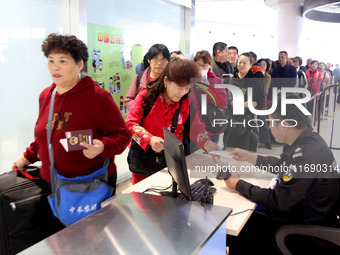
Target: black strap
x=174, y=119
x=139, y=76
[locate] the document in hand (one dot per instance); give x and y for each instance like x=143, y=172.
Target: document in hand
x=224, y=154
x=74, y=138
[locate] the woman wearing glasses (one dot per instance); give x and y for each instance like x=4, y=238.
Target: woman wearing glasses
x=158, y=57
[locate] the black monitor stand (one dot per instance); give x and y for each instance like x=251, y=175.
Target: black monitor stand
x=173, y=193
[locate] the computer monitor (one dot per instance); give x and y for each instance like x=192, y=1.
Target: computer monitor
x=177, y=167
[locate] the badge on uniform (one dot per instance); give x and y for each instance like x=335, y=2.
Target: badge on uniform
x=288, y=175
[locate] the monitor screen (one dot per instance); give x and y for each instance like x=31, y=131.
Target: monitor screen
x=175, y=160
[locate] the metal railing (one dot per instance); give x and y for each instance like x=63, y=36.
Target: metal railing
x=321, y=99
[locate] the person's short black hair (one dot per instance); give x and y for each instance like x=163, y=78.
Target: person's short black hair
x=247, y=54
x=267, y=61
x=65, y=44
x=178, y=52
x=314, y=61
x=284, y=52
x=218, y=46
x=145, y=61
x=254, y=56
x=233, y=48
x=300, y=60
x=292, y=112
x=156, y=49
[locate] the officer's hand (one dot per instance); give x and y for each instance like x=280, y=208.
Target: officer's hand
x=92, y=151
x=157, y=143
x=231, y=182
x=243, y=155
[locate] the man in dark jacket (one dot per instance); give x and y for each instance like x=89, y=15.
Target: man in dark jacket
x=301, y=195
x=283, y=75
x=219, y=62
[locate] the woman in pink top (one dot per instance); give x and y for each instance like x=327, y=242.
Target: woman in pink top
x=158, y=57
x=218, y=97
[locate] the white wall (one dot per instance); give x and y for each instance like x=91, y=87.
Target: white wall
x=23, y=69
x=248, y=25
x=251, y=25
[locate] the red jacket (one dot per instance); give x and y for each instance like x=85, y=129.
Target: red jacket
x=314, y=79
x=160, y=116
x=85, y=106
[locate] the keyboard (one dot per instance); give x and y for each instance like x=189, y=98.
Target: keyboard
x=198, y=190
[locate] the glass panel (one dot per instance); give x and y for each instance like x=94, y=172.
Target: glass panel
x=23, y=69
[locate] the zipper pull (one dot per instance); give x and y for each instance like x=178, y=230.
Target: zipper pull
x=13, y=206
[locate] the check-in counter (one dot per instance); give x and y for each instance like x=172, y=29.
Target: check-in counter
x=139, y=223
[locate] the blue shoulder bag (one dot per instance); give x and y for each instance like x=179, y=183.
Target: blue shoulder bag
x=74, y=198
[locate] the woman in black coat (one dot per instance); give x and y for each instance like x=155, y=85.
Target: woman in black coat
x=245, y=136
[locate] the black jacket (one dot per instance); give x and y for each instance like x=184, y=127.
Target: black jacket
x=250, y=81
x=301, y=195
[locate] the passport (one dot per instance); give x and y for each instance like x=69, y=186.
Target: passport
x=74, y=138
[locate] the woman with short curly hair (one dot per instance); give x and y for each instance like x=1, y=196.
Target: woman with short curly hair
x=79, y=104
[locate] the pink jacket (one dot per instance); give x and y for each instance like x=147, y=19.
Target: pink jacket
x=221, y=99
x=133, y=91
x=314, y=79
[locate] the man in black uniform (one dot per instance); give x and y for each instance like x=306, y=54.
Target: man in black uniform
x=306, y=192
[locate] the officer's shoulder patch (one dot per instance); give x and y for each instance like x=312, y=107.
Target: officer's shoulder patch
x=289, y=173
x=298, y=149
x=295, y=155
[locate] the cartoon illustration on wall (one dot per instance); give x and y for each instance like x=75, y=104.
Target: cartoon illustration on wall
x=126, y=63
x=117, y=82
x=112, y=60
x=95, y=59
x=121, y=104
x=111, y=85
x=100, y=65
x=114, y=84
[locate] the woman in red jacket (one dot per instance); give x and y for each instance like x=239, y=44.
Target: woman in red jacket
x=79, y=104
x=163, y=96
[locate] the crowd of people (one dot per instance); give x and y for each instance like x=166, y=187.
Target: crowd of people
x=166, y=92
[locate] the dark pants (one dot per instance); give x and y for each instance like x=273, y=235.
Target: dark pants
x=112, y=181
x=264, y=130
x=247, y=141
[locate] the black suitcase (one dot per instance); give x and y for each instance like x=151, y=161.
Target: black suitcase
x=25, y=215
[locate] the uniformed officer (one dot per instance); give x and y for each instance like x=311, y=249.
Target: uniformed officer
x=307, y=190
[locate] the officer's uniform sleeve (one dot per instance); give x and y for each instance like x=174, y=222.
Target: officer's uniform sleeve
x=267, y=163
x=287, y=192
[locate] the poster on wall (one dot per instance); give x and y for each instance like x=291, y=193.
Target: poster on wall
x=112, y=61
